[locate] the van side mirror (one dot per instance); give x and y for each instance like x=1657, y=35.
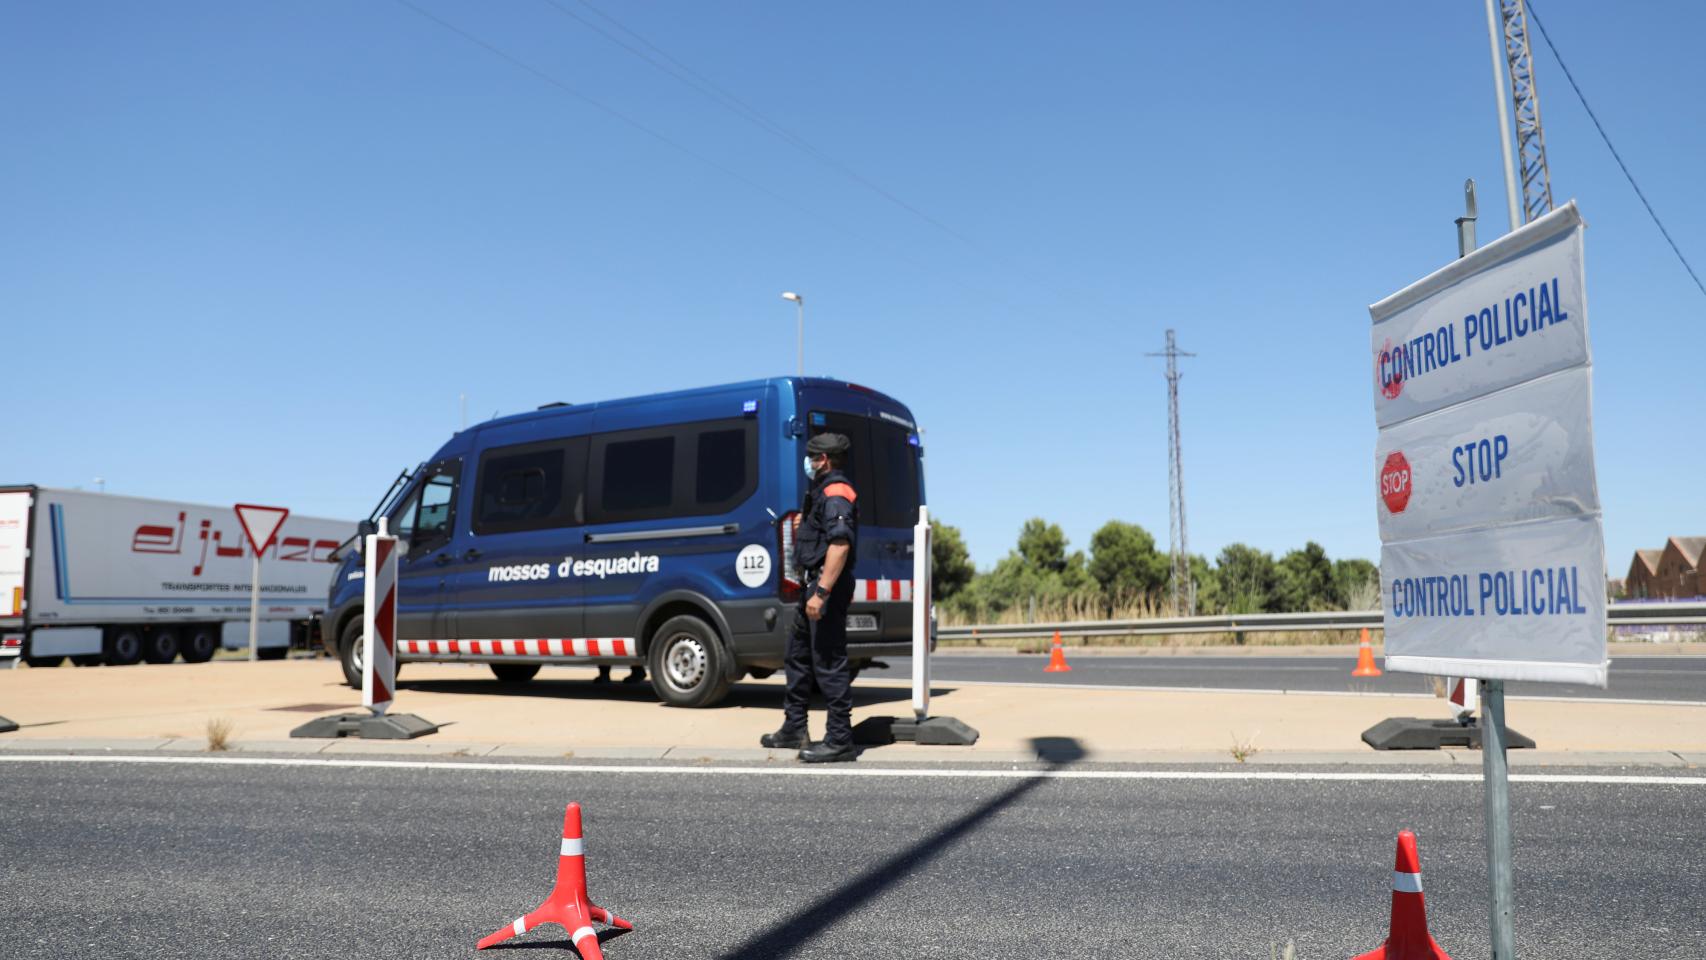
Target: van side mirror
x=366, y=528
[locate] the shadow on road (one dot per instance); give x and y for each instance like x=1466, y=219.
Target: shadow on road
x=604, y=937
x=740, y=695
x=799, y=928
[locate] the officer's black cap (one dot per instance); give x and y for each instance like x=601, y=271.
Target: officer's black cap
x=830, y=443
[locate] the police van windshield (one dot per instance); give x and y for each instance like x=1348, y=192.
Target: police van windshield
x=882, y=463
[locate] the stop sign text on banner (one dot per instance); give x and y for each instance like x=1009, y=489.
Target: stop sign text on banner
x=1524, y=453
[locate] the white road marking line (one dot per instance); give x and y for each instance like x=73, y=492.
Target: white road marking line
x=888, y=772
x=938, y=680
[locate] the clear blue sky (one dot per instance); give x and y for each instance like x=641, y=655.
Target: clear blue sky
x=257, y=251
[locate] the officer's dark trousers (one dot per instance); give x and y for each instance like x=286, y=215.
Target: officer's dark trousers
x=816, y=662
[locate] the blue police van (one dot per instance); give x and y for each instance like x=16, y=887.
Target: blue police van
x=653, y=531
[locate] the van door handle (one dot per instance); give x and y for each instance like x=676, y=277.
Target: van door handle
x=441, y=559
x=471, y=555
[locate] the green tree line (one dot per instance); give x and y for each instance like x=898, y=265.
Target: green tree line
x=1125, y=574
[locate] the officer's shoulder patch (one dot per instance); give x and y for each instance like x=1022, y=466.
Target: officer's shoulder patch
x=842, y=490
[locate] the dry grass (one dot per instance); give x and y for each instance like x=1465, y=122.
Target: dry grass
x=219, y=734
x=1058, y=609
x=1243, y=750
x=1302, y=638
x=1137, y=607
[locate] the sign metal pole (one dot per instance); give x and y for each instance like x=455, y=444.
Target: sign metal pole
x=260, y=525
x=255, y=610
x=1495, y=766
x=1496, y=787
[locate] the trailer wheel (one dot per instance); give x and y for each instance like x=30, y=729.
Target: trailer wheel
x=123, y=646
x=198, y=643
x=160, y=646
x=687, y=663
x=350, y=653
x=42, y=663
x=515, y=672
x=87, y=659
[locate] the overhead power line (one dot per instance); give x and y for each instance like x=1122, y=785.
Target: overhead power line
x=630, y=121
x=1533, y=14
x=710, y=90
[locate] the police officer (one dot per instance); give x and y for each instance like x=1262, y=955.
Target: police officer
x=825, y=546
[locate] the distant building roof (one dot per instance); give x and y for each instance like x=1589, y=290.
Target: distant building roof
x=1690, y=548
x=1648, y=559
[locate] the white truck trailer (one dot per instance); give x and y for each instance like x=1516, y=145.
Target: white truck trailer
x=100, y=578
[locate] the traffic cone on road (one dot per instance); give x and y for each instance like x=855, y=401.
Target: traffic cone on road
x=1057, y=658
x=1407, y=938
x=567, y=904
x=1365, y=659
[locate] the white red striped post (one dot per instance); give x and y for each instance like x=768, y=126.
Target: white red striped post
x=1463, y=697
x=921, y=614
x=379, y=621
x=567, y=905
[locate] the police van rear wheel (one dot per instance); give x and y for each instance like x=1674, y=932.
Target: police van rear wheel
x=687, y=663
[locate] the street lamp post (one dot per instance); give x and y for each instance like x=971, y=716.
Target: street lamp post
x=799, y=333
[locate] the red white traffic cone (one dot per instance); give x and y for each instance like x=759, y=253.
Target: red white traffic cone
x=1057, y=658
x=1408, y=937
x=567, y=904
x=1365, y=659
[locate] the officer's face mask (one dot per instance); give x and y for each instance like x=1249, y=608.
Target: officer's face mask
x=811, y=471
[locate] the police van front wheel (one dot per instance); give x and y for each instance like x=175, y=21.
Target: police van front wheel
x=350, y=652
x=688, y=663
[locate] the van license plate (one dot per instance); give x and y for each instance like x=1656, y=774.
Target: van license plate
x=861, y=623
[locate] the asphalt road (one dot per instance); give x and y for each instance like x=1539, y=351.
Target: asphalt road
x=154, y=861
x=1680, y=678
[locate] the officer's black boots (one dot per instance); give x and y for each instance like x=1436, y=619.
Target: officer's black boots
x=784, y=739
x=826, y=752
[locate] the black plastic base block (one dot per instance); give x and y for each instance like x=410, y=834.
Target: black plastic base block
x=7, y=726
x=931, y=731
x=366, y=726
x=1414, y=733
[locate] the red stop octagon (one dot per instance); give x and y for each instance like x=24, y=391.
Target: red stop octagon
x=1395, y=482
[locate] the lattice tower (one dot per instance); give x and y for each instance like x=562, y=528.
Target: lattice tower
x=1530, y=138
x=1184, y=589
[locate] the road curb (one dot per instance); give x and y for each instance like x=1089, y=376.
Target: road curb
x=900, y=754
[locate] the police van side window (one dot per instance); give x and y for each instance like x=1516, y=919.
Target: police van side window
x=403, y=518
x=533, y=486
x=896, y=467
x=638, y=478
x=725, y=465
x=424, y=517
x=690, y=469
x=437, y=495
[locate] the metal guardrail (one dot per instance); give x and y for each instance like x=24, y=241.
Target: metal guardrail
x=1689, y=613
